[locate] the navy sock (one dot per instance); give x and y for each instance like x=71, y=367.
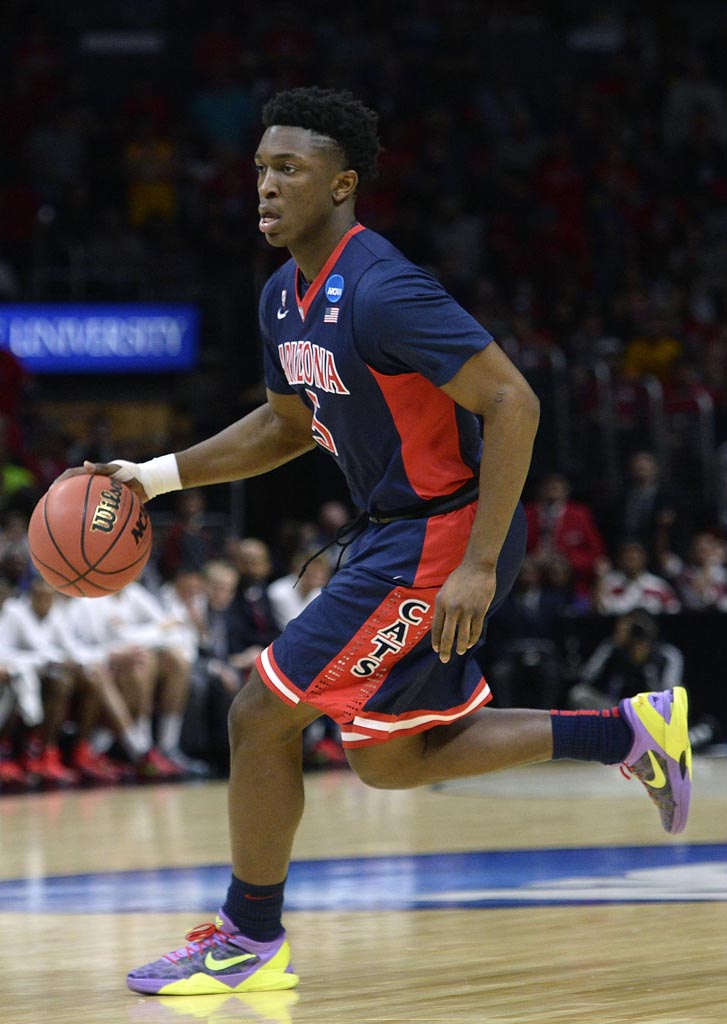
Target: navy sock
x=591, y=736
x=255, y=909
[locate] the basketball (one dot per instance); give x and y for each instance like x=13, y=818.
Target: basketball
x=89, y=536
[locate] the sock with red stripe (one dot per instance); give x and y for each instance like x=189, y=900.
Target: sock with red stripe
x=256, y=909
x=591, y=736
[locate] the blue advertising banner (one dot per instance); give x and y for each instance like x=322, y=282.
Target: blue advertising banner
x=101, y=337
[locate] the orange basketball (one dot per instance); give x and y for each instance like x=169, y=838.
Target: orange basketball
x=89, y=536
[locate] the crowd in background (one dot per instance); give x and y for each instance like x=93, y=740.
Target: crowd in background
x=564, y=173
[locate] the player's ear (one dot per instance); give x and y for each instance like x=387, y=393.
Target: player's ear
x=344, y=186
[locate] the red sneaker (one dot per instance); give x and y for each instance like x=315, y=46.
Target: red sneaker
x=94, y=767
x=50, y=769
x=327, y=753
x=12, y=777
x=155, y=767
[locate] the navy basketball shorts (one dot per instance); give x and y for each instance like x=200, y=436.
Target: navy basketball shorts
x=361, y=652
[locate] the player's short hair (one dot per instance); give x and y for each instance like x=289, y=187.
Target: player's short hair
x=334, y=114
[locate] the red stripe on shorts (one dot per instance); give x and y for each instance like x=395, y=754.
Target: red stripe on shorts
x=359, y=670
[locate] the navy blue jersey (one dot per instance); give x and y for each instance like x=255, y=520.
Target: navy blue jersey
x=367, y=347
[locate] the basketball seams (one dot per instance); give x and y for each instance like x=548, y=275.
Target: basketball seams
x=51, y=538
x=104, y=572
x=67, y=581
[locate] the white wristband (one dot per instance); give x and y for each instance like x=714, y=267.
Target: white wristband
x=157, y=476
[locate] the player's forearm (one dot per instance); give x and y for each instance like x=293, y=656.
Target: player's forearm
x=258, y=442
x=509, y=432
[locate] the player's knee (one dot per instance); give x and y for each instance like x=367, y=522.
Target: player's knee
x=259, y=716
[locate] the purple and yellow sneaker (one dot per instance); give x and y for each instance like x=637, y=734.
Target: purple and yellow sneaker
x=661, y=755
x=217, y=959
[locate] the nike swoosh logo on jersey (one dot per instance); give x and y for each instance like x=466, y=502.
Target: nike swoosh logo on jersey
x=231, y=961
x=659, y=780
x=282, y=313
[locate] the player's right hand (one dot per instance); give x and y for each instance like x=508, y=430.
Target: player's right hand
x=122, y=470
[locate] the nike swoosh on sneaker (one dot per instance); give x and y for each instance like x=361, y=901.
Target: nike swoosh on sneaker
x=659, y=780
x=212, y=964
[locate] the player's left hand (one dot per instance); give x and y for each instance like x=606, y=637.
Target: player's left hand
x=460, y=609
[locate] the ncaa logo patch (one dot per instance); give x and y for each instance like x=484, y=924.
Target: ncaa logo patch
x=334, y=288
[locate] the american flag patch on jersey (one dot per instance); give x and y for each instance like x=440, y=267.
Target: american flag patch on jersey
x=330, y=315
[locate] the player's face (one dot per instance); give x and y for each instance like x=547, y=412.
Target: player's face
x=298, y=179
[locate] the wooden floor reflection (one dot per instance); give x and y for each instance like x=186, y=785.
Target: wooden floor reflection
x=656, y=962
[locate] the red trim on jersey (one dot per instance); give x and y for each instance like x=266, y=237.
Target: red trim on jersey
x=315, y=286
x=426, y=420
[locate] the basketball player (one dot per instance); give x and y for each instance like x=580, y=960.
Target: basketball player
x=369, y=358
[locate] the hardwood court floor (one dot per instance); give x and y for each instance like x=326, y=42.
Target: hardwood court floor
x=546, y=894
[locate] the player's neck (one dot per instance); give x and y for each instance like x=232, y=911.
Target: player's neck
x=311, y=256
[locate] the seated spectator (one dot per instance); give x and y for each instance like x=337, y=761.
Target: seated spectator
x=13, y=777
x=290, y=594
x=645, y=511
x=558, y=524
x=253, y=561
x=19, y=704
x=15, y=563
x=558, y=577
x=291, y=536
x=632, y=660
x=525, y=667
x=184, y=601
x=188, y=542
x=14, y=535
x=630, y=585
x=222, y=666
x=332, y=517
x=35, y=639
x=258, y=628
x=702, y=580
x=150, y=659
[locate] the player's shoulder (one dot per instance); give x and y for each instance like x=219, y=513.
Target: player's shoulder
x=376, y=246
x=389, y=271
x=383, y=254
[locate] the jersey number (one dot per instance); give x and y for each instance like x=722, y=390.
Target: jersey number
x=321, y=433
